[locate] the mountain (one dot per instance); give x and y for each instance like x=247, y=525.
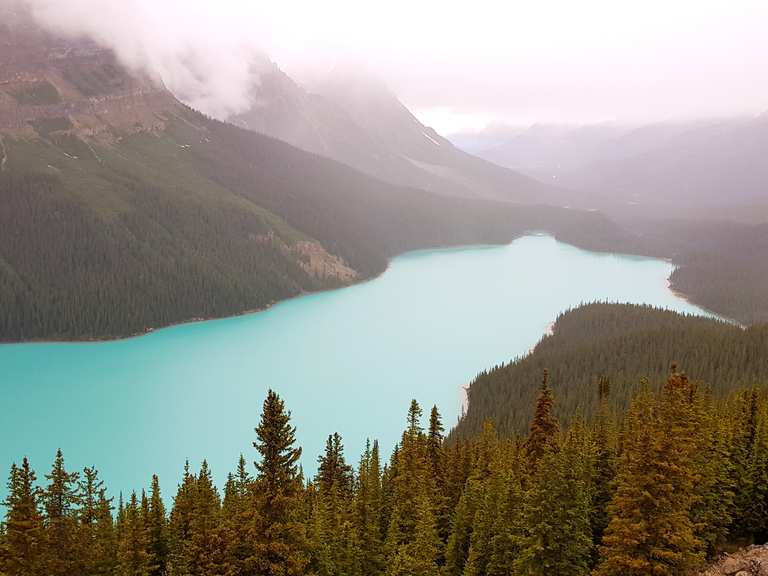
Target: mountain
x=357, y=121
x=712, y=169
x=124, y=210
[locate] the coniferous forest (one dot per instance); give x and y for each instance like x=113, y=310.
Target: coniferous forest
x=655, y=489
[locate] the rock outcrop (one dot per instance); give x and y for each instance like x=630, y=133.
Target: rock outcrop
x=53, y=84
x=751, y=561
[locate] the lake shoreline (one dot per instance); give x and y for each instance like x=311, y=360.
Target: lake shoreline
x=361, y=280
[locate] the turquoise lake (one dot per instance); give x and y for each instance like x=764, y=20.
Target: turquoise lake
x=348, y=360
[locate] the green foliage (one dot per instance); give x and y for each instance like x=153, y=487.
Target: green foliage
x=626, y=342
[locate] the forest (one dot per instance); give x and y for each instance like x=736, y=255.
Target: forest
x=627, y=341
x=654, y=489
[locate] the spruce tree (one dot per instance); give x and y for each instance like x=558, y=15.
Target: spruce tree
x=204, y=552
x=104, y=551
x=441, y=499
x=651, y=530
x=557, y=536
x=544, y=426
x=180, y=523
x=508, y=529
x=410, y=476
x=418, y=555
x=157, y=531
x=22, y=543
x=486, y=517
x=238, y=520
x=62, y=556
x=132, y=556
x=368, y=510
x=604, y=469
x=89, y=489
x=281, y=547
x=472, y=498
x=333, y=470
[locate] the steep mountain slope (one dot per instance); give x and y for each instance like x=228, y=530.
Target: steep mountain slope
x=358, y=122
x=624, y=343
x=124, y=210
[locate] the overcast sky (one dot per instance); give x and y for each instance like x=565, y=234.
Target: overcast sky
x=458, y=65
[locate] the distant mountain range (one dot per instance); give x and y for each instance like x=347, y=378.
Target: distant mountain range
x=713, y=169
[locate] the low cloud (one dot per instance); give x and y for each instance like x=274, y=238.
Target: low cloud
x=210, y=59
x=552, y=60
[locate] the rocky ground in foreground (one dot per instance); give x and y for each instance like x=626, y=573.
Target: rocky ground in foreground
x=751, y=561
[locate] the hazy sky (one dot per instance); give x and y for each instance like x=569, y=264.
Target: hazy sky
x=457, y=64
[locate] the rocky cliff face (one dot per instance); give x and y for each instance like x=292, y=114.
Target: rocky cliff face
x=52, y=84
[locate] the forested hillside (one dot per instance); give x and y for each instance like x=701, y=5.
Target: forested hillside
x=655, y=489
x=624, y=343
x=204, y=219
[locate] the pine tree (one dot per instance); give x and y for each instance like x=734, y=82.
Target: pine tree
x=104, y=551
x=651, y=531
x=335, y=536
x=557, y=536
x=281, y=547
x=544, y=426
x=508, y=529
x=132, y=556
x=418, y=556
x=60, y=500
x=368, y=510
x=203, y=551
x=22, y=543
x=410, y=476
x=90, y=487
x=757, y=512
x=604, y=469
x=441, y=500
x=157, y=531
x=333, y=470
x=472, y=498
x=486, y=517
x=748, y=455
x=238, y=520
x=180, y=523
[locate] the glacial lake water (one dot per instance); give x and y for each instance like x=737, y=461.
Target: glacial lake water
x=348, y=360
